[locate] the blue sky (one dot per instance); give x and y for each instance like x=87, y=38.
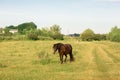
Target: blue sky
x=73, y=16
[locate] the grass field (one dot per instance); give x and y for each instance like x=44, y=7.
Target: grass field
x=33, y=60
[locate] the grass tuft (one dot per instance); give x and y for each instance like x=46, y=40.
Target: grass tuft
x=2, y=65
x=44, y=57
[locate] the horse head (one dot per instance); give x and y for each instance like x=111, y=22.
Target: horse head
x=55, y=47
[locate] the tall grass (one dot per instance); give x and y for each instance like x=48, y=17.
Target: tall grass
x=34, y=60
x=43, y=58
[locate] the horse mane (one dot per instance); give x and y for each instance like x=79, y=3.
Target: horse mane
x=59, y=45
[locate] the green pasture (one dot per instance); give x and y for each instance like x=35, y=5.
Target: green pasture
x=34, y=60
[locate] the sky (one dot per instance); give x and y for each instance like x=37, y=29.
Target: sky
x=73, y=16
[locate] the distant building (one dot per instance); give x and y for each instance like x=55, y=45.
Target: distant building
x=74, y=35
x=13, y=30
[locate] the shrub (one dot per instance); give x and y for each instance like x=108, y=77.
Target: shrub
x=32, y=34
x=114, y=35
x=19, y=37
x=87, y=35
x=1, y=38
x=57, y=36
x=55, y=32
x=44, y=38
x=99, y=37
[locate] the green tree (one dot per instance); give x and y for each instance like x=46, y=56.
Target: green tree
x=45, y=32
x=99, y=37
x=6, y=32
x=11, y=27
x=22, y=28
x=114, y=35
x=55, y=32
x=55, y=29
x=87, y=35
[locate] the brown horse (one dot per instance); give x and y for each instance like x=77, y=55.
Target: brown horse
x=63, y=49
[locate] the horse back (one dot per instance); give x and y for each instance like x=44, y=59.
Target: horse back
x=68, y=47
x=65, y=48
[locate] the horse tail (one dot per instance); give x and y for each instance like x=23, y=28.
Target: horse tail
x=71, y=55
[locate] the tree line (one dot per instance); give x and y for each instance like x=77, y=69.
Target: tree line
x=113, y=35
x=89, y=35
x=29, y=31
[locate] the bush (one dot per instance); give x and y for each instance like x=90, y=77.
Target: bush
x=55, y=32
x=32, y=34
x=6, y=38
x=44, y=38
x=99, y=37
x=1, y=38
x=87, y=35
x=19, y=37
x=57, y=36
x=114, y=35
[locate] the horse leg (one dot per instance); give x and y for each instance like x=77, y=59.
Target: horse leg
x=61, y=58
x=65, y=57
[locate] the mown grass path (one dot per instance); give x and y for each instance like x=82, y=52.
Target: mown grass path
x=33, y=60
